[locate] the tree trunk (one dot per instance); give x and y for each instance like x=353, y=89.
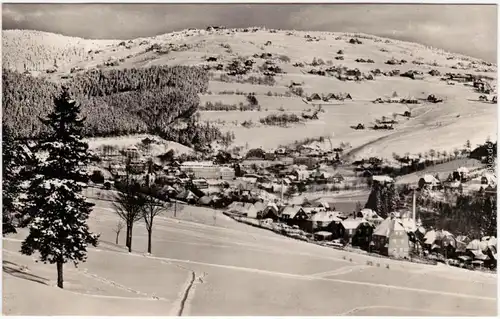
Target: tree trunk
x=117, y=236
x=60, y=274
x=130, y=240
x=150, y=233
x=127, y=238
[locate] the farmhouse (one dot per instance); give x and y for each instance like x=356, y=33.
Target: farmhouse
x=428, y=181
x=461, y=174
x=370, y=216
x=488, y=179
x=337, y=178
x=207, y=170
x=350, y=226
x=382, y=179
x=270, y=211
x=200, y=169
x=308, y=161
x=321, y=221
x=289, y=212
x=390, y=238
x=363, y=234
x=200, y=183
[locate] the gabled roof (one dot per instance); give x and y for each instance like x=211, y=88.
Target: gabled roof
x=273, y=206
x=325, y=217
x=385, y=228
x=290, y=211
x=382, y=179
x=309, y=210
x=463, y=170
x=352, y=223
x=388, y=226
x=429, y=179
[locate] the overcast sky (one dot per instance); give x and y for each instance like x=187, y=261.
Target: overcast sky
x=468, y=29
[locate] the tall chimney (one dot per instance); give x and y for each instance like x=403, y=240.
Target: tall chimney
x=282, y=191
x=414, y=206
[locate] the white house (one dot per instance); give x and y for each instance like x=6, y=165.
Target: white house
x=428, y=181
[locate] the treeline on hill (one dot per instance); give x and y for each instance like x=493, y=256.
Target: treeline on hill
x=114, y=102
x=473, y=215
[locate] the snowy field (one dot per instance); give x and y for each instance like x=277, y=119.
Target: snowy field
x=216, y=266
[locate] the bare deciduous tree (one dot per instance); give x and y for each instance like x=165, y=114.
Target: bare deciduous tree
x=152, y=207
x=118, y=228
x=129, y=206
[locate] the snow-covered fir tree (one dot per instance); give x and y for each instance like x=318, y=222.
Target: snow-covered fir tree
x=14, y=156
x=56, y=211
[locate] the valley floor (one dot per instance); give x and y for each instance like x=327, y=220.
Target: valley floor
x=219, y=267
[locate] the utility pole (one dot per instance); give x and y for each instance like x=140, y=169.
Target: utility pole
x=281, y=191
x=175, y=209
x=414, y=206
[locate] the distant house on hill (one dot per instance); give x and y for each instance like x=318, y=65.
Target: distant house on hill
x=322, y=205
x=338, y=178
x=461, y=174
x=428, y=181
x=488, y=179
x=314, y=97
x=301, y=175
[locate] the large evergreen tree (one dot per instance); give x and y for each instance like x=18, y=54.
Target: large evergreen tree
x=55, y=210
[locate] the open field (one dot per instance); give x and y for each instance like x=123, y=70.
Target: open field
x=219, y=267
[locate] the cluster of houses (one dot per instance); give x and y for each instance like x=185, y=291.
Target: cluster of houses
x=399, y=236
x=474, y=180
x=262, y=175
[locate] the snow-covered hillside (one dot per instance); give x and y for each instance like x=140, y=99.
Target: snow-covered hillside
x=439, y=126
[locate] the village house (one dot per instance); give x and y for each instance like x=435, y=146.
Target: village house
x=322, y=205
x=390, y=238
x=488, y=179
x=246, y=209
x=428, y=182
x=271, y=211
x=301, y=175
x=370, y=216
x=290, y=212
x=382, y=179
x=201, y=169
x=320, y=175
x=284, y=160
x=251, y=163
x=200, y=183
x=337, y=178
x=227, y=173
x=350, y=225
x=320, y=221
x=362, y=235
x=310, y=162
x=461, y=174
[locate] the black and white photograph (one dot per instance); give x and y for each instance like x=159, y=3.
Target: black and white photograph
x=249, y=159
